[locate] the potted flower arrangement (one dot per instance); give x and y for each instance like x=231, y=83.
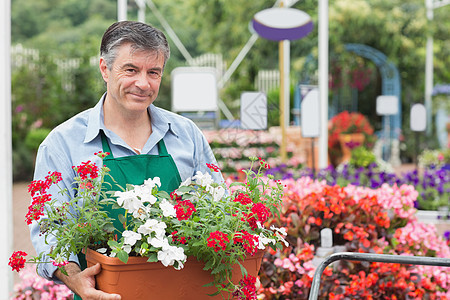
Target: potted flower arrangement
x=346, y=131
x=217, y=227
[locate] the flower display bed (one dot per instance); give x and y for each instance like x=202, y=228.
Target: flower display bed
x=362, y=219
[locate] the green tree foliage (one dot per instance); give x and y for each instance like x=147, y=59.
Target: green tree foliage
x=63, y=29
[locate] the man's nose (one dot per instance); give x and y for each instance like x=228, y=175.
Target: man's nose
x=142, y=81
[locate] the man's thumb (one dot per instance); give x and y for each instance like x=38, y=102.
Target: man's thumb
x=94, y=270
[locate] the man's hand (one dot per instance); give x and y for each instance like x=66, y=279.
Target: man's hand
x=83, y=282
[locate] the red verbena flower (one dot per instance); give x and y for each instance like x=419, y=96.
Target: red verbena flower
x=178, y=238
x=36, y=208
x=35, y=211
x=60, y=263
x=247, y=289
x=261, y=212
x=38, y=186
x=87, y=169
x=217, y=240
x=102, y=154
x=54, y=177
x=213, y=167
x=248, y=241
x=184, y=209
x=17, y=260
x=174, y=196
x=263, y=163
x=243, y=199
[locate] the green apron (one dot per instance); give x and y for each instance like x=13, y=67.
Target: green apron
x=135, y=169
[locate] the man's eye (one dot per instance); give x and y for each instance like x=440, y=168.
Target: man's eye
x=130, y=70
x=154, y=74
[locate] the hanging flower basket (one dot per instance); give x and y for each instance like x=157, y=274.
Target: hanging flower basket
x=349, y=141
x=139, y=279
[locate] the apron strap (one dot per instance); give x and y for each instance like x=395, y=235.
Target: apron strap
x=105, y=145
x=162, y=148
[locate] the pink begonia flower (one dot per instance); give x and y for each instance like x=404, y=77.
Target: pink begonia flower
x=43, y=289
x=398, y=199
x=299, y=283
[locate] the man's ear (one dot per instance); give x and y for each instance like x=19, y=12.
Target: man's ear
x=103, y=69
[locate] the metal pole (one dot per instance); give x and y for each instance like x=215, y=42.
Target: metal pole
x=313, y=158
x=6, y=222
x=170, y=32
x=122, y=10
x=239, y=58
x=323, y=83
x=141, y=10
x=283, y=153
x=371, y=257
x=282, y=52
x=429, y=66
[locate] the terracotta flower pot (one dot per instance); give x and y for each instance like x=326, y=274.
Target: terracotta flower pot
x=139, y=279
x=348, y=142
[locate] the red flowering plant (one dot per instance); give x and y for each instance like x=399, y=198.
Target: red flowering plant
x=362, y=220
x=202, y=219
x=347, y=123
x=72, y=225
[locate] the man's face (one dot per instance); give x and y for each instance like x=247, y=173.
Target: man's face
x=134, y=78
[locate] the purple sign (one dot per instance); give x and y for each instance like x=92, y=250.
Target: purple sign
x=281, y=23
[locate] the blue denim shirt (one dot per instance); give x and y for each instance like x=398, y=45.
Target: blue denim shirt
x=77, y=139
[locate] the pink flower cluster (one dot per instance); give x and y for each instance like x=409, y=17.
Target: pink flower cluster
x=33, y=286
x=398, y=199
x=363, y=220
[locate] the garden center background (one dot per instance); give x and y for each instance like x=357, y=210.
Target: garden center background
x=52, y=48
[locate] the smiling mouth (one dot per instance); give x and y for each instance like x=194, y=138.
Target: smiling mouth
x=139, y=95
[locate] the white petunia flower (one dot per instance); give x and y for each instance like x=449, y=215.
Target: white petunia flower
x=145, y=194
x=167, y=208
x=152, y=225
x=216, y=192
x=156, y=242
x=187, y=182
x=280, y=233
x=126, y=248
x=203, y=179
x=142, y=213
x=130, y=237
x=128, y=200
x=102, y=250
x=151, y=183
x=263, y=241
x=171, y=254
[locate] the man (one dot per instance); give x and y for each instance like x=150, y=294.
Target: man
x=144, y=141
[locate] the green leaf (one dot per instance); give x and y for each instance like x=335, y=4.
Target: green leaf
x=153, y=257
x=184, y=189
x=123, y=256
x=63, y=270
x=209, y=263
x=122, y=219
x=243, y=270
x=163, y=194
x=113, y=244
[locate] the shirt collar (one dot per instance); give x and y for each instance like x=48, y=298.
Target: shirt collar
x=95, y=121
x=160, y=121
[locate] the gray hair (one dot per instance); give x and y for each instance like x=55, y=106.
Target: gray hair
x=140, y=35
